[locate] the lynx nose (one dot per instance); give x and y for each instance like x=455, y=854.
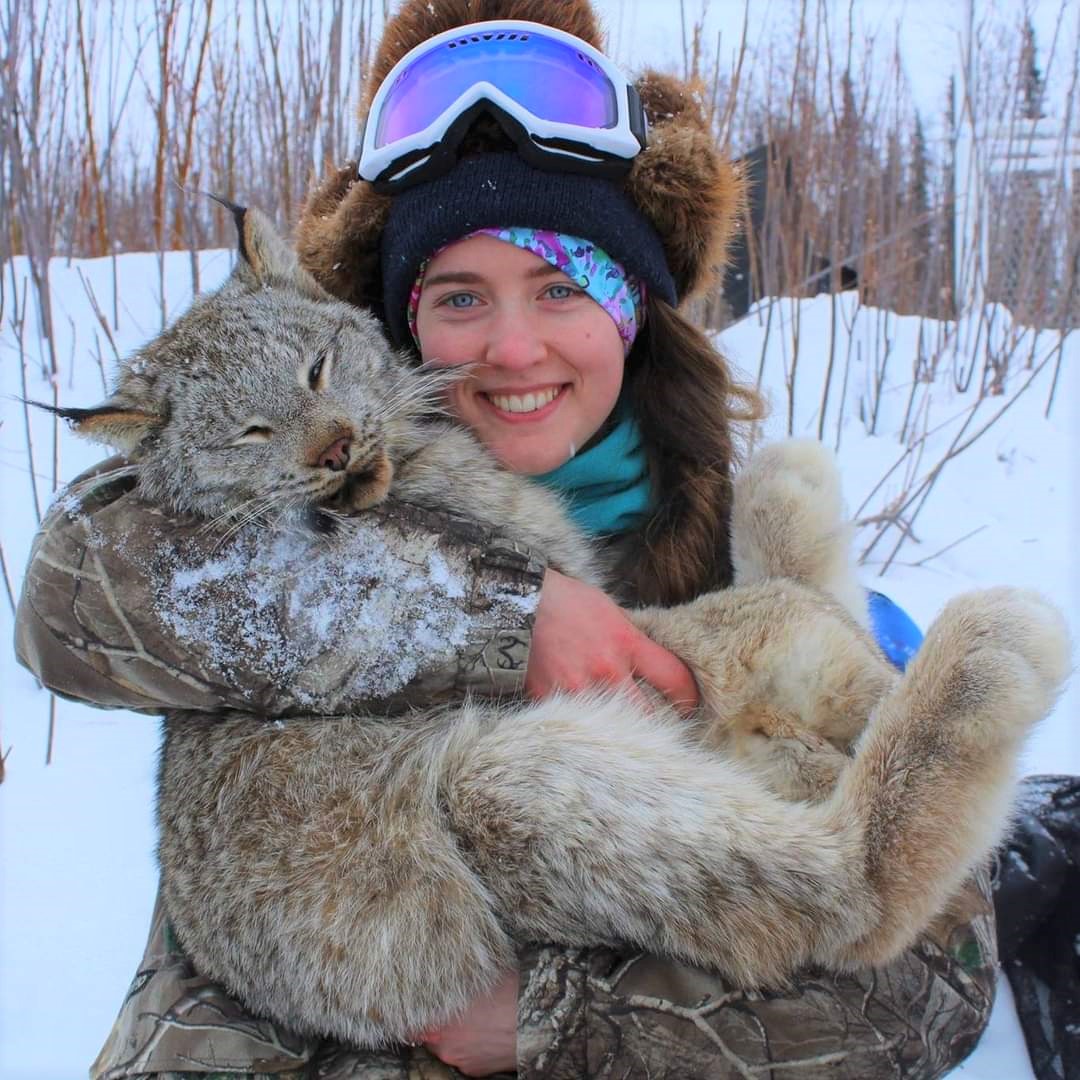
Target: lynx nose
x=336, y=456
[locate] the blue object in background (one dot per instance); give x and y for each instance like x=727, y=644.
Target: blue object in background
x=894, y=629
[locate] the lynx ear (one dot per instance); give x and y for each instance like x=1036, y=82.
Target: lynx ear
x=265, y=257
x=261, y=248
x=115, y=422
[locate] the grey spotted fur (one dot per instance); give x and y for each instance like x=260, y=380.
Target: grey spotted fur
x=365, y=877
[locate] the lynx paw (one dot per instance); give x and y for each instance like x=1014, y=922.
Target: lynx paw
x=1011, y=651
x=786, y=503
x=792, y=467
x=788, y=522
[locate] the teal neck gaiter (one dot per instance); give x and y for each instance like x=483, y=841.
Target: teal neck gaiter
x=606, y=487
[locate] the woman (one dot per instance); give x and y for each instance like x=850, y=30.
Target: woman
x=559, y=287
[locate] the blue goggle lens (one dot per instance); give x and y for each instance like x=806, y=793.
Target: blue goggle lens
x=551, y=79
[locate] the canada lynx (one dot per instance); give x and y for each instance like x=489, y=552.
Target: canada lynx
x=365, y=877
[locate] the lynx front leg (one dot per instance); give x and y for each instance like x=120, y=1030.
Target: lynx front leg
x=788, y=522
x=774, y=655
x=947, y=740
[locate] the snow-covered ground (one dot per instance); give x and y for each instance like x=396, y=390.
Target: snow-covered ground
x=76, y=859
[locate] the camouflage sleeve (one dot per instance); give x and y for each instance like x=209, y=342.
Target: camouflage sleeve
x=124, y=606
x=593, y=1013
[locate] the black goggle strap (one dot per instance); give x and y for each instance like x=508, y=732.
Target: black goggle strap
x=557, y=154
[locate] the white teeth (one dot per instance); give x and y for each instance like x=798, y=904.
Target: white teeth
x=522, y=403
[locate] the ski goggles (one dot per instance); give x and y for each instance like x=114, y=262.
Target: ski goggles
x=565, y=105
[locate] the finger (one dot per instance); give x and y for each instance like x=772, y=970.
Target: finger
x=632, y=689
x=664, y=671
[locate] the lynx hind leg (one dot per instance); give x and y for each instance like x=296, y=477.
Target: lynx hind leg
x=315, y=847
x=594, y=821
x=788, y=522
x=991, y=667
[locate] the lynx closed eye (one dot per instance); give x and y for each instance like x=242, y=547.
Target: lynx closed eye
x=319, y=373
x=256, y=433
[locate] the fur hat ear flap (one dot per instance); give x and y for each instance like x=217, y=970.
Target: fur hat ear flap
x=691, y=192
x=338, y=235
x=115, y=422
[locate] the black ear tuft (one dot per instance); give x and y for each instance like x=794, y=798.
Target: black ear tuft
x=75, y=416
x=115, y=422
x=239, y=214
x=265, y=257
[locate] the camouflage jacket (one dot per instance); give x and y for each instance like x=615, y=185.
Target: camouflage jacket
x=123, y=606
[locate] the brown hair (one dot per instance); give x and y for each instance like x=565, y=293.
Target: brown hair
x=695, y=420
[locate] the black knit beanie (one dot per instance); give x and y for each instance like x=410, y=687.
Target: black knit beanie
x=500, y=189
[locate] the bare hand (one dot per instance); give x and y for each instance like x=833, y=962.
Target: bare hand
x=483, y=1040
x=582, y=639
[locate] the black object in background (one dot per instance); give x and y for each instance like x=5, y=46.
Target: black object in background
x=1037, y=902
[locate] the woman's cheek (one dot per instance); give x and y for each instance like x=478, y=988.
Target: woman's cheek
x=458, y=402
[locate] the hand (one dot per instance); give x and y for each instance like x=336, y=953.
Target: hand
x=483, y=1039
x=582, y=638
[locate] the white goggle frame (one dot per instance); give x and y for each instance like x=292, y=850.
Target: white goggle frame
x=546, y=143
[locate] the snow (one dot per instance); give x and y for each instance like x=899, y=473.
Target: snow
x=1004, y=511
x=77, y=837
x=337, y=588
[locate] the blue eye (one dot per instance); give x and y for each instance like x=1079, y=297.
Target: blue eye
x=561, y=291
x=460, y=300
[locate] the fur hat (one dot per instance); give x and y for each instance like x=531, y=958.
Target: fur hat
x=684, y=187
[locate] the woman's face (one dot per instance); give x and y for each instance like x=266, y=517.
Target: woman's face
x=547, y=359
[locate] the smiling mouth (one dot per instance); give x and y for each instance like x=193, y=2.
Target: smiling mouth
x=524, y=403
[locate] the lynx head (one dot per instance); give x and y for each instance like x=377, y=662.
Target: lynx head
x=266, y=397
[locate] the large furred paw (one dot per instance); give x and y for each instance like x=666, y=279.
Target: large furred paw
x=788, y=519
x=1013, y=645
x=803, y=462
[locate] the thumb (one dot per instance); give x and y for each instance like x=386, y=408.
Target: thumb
x=665, y=672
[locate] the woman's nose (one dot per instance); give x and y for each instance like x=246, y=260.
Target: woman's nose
x=514, y=341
